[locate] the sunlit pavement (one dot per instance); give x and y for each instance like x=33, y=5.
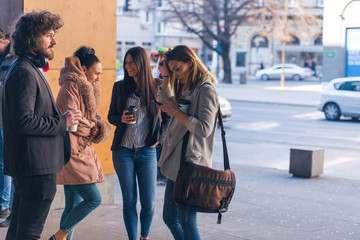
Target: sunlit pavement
x=268, y=204
x=305, y=93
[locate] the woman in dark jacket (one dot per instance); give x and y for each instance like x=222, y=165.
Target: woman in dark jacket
x=136, y=136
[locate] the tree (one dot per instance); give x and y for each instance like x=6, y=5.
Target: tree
x=283, y=21
x=212, y=21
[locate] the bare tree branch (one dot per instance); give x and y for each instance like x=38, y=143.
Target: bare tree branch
x=212, y=20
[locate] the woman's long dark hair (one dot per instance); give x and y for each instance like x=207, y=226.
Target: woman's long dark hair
x=148, y=88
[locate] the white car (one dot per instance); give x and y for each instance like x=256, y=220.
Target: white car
x=292, y=71
x=225, y=108
x=341, y=97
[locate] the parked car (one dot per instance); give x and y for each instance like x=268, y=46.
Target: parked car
x=341, y=97
x=292, y=71
x=225, y=108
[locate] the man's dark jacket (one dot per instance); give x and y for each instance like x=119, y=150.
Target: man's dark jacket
x=33, y=125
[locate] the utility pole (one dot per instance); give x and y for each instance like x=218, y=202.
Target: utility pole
x=283, y=43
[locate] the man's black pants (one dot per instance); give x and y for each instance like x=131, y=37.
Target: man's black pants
x=32, y=199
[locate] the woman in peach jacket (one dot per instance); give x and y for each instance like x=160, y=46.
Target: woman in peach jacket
x=80, y=89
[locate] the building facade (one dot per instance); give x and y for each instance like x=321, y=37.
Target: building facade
x=341, y=39
x=145, y=23
x=251, y=48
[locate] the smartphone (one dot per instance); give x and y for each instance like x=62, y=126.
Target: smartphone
x=158, y=103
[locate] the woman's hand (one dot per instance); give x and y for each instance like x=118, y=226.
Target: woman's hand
x=127, y=118
x=165, y=73
x=95, y=131
x=172, y=109
x=157, y=143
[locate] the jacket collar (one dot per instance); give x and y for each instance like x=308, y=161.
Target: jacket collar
x=42, y=76
x=90, y=93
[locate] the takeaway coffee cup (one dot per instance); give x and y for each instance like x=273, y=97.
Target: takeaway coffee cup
x=73, y=128
x=184, y=105
x=132, y=110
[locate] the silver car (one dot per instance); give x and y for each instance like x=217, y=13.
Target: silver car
x=292, y=71
x=341, y=97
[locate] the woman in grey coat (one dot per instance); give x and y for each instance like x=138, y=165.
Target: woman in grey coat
x=193, y=82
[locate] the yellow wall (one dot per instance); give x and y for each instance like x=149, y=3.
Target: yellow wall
x=90, y=23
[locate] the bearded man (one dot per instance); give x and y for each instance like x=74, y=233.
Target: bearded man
x=33, y=126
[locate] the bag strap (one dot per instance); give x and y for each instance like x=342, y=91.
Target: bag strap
x=225, y=152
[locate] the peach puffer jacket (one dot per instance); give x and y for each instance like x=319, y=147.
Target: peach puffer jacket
x=78, y=93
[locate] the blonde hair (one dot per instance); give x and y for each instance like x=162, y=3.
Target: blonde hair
x=198, y=71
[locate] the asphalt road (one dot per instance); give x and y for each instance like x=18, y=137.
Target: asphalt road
x=261, y=134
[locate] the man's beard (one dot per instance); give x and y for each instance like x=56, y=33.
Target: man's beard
x=44, y=52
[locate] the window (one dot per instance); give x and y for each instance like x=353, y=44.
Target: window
x=159, y=3
x=147, y=19
x=352, y=47
x=259, y=41
x=240, y=59
x=350, y=86
x=294, y=41
x=320, y=3
x=159, y=27
x=338, y=85
x=318, y=41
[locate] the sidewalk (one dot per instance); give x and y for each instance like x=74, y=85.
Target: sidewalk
x=268, y=204
x=294, y=93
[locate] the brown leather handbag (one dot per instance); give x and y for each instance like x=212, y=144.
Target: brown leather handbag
x=203, y=189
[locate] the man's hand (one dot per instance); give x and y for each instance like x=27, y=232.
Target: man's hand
x=72, y=117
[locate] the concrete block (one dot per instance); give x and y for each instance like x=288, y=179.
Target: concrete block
x=106, y=189
x=306, y=163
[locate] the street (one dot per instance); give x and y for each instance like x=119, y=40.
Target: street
x=261, y=134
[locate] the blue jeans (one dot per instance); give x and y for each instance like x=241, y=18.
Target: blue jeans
x=160, y=177
x=80, y=200
x=5, y=180
x=182, y=224
x=131, y=165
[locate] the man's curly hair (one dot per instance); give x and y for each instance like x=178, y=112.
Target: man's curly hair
x=30, y=27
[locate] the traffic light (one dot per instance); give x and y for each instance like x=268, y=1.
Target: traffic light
x=127, y=6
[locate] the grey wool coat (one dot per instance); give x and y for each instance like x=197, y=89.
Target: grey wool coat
x=202, y=126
